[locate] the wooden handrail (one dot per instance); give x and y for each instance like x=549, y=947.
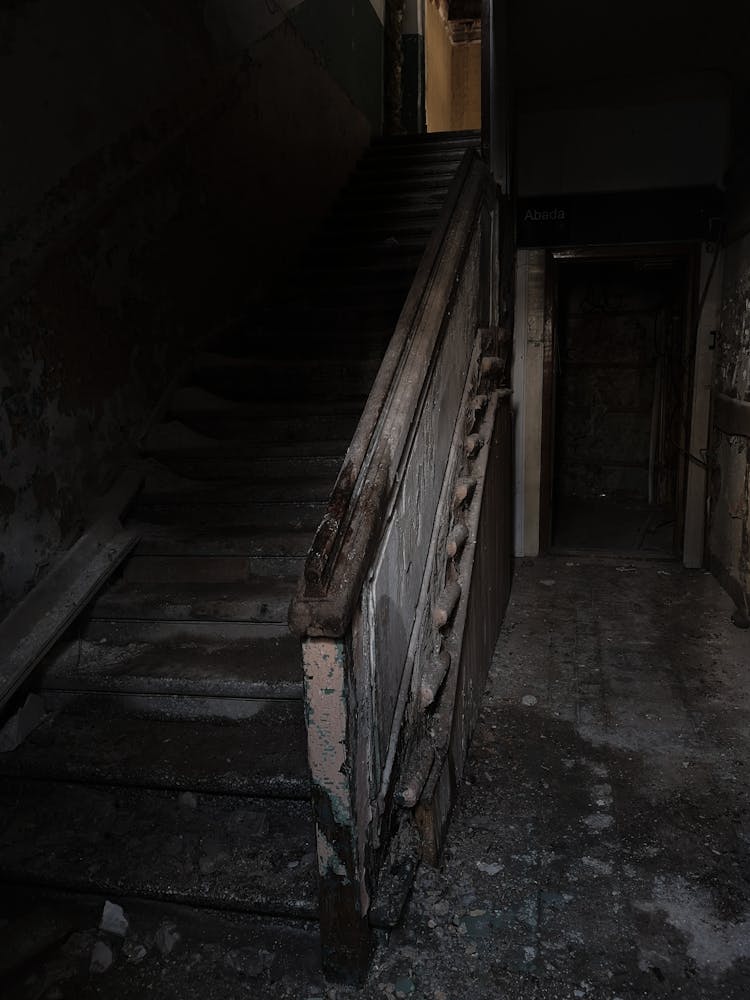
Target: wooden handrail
x=344, y=542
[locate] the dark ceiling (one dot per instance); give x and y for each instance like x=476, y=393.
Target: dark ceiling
x=556, y=42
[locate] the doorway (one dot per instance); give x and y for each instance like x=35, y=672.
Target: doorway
x=617, y=397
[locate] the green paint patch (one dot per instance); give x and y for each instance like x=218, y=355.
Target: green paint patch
x=348, y=38
x=412, y=75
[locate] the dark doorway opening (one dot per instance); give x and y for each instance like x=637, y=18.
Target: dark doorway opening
x=621, y=379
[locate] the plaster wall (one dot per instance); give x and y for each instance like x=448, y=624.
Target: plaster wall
x=729, y=532
x=452, y=77
x=528, y=372
x=622, y=142
x=438, y=65
x=153, y=193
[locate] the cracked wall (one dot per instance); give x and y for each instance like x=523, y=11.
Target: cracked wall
x=168, y=161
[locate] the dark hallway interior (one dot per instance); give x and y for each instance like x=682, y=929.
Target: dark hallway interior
x=621, y=386
x=349, y=351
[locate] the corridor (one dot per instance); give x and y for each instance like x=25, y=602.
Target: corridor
x=600, y=845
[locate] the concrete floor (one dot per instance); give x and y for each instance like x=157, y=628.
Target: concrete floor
x=613, y=524
x=600, y=847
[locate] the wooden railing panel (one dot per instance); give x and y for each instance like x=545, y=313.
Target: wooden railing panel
x=393, y=588
x=377, y=567
x=485, y=575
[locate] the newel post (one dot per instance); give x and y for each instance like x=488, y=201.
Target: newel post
x=346, y=936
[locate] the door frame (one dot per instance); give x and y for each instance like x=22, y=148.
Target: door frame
x=556, y=258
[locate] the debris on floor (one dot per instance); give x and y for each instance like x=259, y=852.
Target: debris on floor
x=599, y=849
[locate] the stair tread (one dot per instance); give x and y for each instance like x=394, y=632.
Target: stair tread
x=304, y=429
x=192, y=399
x=299, y=489
x=256, y=599
x=188, y=567
x=263, y=756
x=196, y=471
x=179, y=439
x=183, y=510
x=221, y=540
x=225, y=659
x=231, y=852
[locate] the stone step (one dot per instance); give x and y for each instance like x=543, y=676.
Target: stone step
x=211, y=510
x=256, y=378
x=225, y=852
x=386, y=273
x=189, y=399
x=192, y=469
x=378, y=293
x=221, y=540
x=263, y=756
x=234, y=438
x=384, y=221
x=393, y=198
x=257, y=599
x=438, y=174
x=290, y=489
x=189, y=567
x=48, y=937
x=265, y=432
x=375, y=251
x=290, y=317
x=353, y=340
x=201, y=660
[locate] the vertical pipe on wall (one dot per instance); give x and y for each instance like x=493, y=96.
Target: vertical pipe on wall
x=709, y=278
x=413, y=68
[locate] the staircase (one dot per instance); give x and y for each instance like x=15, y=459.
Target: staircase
x=172, y=765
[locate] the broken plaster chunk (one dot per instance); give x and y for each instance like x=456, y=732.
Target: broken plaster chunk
x=101, y=958
x=134, y=952
x=529, y=700
x=433, y=677
x=445, y=605
x=20, y=725
x=113, y=920
x=456, y=541
x=489, y=868
x=167, y=937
